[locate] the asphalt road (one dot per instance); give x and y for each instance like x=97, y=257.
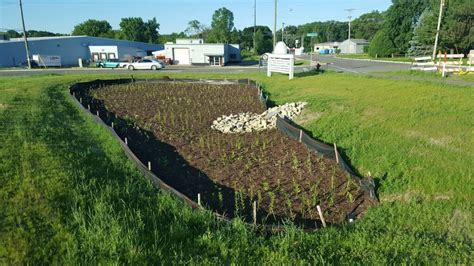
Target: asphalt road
x=356, y=66
x=329, y=62
x=168, y=69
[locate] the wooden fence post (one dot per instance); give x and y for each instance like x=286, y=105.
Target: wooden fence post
x=199, y=199
x=255, y=213
x=321, y=216
x=301, y=135
x=149, y=166
x=335, y=153
x=126, y=141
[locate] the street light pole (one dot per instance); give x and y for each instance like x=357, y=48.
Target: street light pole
x=350, y=18
x=27, y=48
x=437, y=30
x=275, y=24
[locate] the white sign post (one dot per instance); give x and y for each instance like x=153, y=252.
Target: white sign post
x=280, y=61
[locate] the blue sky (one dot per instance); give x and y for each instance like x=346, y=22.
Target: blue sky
x=173, y=15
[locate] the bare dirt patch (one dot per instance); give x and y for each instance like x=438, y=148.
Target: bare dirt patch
x=170, y=126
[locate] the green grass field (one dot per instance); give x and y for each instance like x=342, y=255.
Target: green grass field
x=69, y=195
x=468, y=77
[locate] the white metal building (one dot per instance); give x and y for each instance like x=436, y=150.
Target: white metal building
x=196, y=52
x=72, y=48
x=353, y=46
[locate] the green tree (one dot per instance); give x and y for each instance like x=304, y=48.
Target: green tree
x=151, y=30
x=13, y=34
x=92, y=27
x=235, y=36
x=400, y=20
x=221, y=26
x=164, y=38
x=367, y=25
x=195, y=29
x=246, y=36
x=423, y=34
x=457, y=30
x=263, y=44
x=381, y=45
x=42, y=33
x=134, y=29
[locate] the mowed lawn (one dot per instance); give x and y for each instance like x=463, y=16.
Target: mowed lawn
x=68, y=194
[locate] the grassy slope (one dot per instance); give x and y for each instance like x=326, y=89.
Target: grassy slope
x=69, y=194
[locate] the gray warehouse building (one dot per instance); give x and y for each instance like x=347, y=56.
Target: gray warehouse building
x=353, y=46
x=196, y=52
x=69, y=49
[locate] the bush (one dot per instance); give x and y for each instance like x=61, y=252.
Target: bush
x=381, y=45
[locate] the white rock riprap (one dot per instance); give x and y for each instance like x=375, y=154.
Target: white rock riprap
x=251, y=122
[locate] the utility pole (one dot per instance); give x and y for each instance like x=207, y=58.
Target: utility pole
x=25, y=37
x=282, y=31
x=349, y=10
x=254, y=25
x=275, y=25
x=441, y=7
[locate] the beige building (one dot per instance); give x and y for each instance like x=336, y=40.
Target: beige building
x=326, y=45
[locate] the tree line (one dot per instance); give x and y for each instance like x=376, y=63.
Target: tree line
x=408, y=27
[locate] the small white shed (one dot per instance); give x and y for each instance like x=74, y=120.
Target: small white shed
x=353, y=46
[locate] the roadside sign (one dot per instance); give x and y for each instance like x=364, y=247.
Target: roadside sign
x=312, y=34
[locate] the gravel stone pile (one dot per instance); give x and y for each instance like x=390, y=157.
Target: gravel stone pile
x=251, y=122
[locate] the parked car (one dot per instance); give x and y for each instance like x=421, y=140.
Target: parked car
x=146, y=64
x=111, y=63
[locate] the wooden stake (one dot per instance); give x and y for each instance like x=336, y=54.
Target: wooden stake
x=335, y=152
x=199, y=199
x=80, y=100
x=126, y=141
x=301, y=135
x=97, y=113
x=112, y=124
x=255, y=213
x=149, y=166
x=89, y=107
x=321, y=216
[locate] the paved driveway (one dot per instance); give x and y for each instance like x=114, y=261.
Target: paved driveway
x=357, y=66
